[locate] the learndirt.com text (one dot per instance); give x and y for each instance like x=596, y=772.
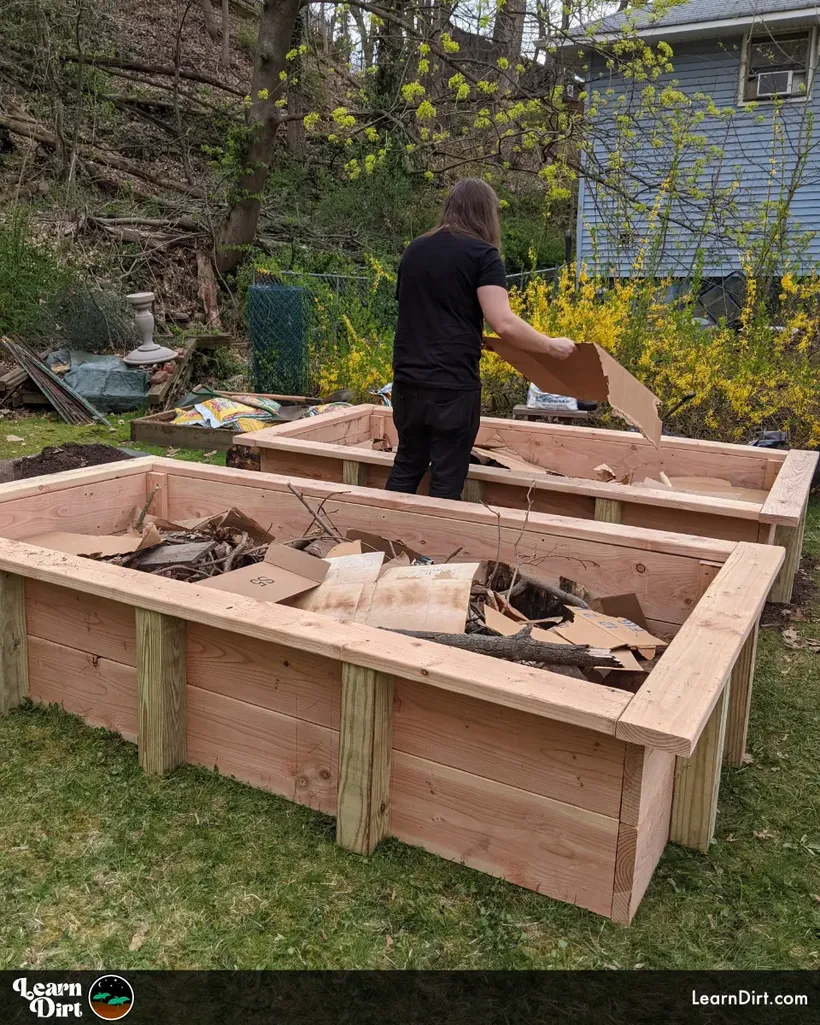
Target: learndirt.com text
x=749, y=998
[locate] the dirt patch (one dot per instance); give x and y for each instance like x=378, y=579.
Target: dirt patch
x=804, y=597
x=71, y=456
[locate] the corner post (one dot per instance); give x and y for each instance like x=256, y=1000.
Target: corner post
x=790, y=538
x=354, y=472
x=13, y=641
x=740, y=701
x=161, y=695
x=697, y=783
x=365, y=745
x=608, y=510
x=473, y=491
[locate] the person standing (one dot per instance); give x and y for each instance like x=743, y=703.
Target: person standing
x=449, y=282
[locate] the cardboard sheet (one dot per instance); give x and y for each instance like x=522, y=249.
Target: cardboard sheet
x=601, y=631
x=104, y=545
x=374, y=542
x=440, y=571
x=345, y=548
x=284, y=572
x=592, y=375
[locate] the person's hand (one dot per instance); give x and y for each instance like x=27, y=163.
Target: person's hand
x=559, y=348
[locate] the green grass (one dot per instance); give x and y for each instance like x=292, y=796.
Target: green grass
x=102, y=865
x=49, y=429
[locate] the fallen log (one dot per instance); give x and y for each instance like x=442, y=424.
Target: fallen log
x=521, y=647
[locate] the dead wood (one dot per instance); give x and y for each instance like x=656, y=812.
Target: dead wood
x=522, y=648
x=211, y=26
x=158, y=69
x=208, y=290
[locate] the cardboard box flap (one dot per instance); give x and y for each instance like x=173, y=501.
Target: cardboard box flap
x=601, y=631
x=104, y=545
x=283, y=573
x=592, y=375
x=626, y=606
x=296, y=562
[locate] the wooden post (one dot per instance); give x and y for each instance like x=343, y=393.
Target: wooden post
x=473, y=491
x=161, y=682
x=13, y=641
x=790, y=538
x=740, y=701
x=365, y=743
x=697, y=782
x=608, y=510
x=354, y=472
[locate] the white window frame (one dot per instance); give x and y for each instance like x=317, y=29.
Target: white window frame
x=810, y=31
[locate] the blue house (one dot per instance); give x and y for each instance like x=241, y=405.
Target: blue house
x=719, y=159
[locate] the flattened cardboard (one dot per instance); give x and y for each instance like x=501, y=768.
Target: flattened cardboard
x=626, y=606
x=441, y=571
x=104, y=545
x=345, y=548
x=341, y=591
x=600, y=631
x=283, y=573
x=509, y=459
x=592, y=375
x=374, y=542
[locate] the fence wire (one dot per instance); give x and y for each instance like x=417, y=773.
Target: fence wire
x=298, y=320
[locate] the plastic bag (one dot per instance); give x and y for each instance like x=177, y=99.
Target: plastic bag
x=537, y=399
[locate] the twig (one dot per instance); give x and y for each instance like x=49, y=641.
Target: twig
x=497, y=513
x=325, y=526
x=141, y=518
x=522, y=648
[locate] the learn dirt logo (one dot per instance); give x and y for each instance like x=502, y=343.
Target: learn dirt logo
x=111, y=997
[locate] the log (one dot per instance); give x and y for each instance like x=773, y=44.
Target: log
x=522, y=648
x=208, y=290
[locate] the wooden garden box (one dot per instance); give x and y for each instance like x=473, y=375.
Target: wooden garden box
x=337, y=447
x=560, y=785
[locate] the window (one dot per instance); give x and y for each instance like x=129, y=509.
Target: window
x=777, y=66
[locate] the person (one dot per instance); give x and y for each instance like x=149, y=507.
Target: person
x=449, y=282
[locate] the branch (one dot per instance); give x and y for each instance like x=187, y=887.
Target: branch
x=522, y=648
x=156, y=69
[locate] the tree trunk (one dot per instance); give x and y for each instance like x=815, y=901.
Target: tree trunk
x=226, y=34
x=295, y=130
x=238, y=229
x=508, y=34
x=211, y=26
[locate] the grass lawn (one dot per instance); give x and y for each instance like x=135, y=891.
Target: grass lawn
x=104, y=866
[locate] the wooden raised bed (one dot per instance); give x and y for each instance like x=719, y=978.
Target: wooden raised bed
x=331, y=449
x=560, y=785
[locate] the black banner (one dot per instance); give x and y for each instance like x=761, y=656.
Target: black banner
x=407, y=998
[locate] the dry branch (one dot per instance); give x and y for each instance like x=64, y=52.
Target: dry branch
x=522, y=648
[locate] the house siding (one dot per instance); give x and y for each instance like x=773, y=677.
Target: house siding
x=745, y=141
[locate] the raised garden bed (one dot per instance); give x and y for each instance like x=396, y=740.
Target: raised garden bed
x=338, y=447
x=561, y=785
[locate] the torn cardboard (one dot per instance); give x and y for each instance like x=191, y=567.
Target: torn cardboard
x=376, y=543
x=283, y=573
x=103, y=546
x=589, y=373
x=602, y=631
x=345, y=548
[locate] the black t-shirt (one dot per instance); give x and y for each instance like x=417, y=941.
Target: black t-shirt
x=440, y=326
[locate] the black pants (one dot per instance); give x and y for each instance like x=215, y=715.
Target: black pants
x=436, y=428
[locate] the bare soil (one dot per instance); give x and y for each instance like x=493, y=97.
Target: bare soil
x=71, y=456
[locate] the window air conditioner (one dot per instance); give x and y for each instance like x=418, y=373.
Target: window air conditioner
x=774, y=83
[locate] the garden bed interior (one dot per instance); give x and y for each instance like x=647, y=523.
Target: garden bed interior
x=339, y=446
x=564, y=786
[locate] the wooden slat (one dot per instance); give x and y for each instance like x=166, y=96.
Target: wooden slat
x=697, y=783
x=101, y=507
x=101, y=691
x=85, y=621
x=533, y=690
x=552, y=759
x=160, y=691
x=790, y=491
x=344, y=424
x=559, y=850
x=630, y=537
x=365, y=748
x=301, y=465
x=83, y=477
x=287, y=756
x=674, y=704
x=14, y=670
x=740, y=701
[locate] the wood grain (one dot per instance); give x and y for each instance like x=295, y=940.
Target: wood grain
x=790, y=492
x=354, y=473
x=557, y=849
x=791, y=539
x=740, y=701
x=101, y=691
x=96, y=508
x=14, y=670
x=674, y=704
x=159, y=503
x=473, y=490
x=85, y=621
x=697, y=783
x=555, y=760
x=160, y=691
x=365, y=749
x=608, y=511
x=287, y=756
x=273, y=676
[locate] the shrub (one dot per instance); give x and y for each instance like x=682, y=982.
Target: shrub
x=31, y=278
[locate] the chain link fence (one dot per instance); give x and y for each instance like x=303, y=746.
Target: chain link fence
x=298, y=321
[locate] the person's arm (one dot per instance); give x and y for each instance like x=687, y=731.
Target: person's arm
x=495, y=304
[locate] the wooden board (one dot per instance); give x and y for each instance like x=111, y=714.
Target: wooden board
x=102, y=692
x=85, y=621
x=787, y=498
x=557, y=849
x=288, y=756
